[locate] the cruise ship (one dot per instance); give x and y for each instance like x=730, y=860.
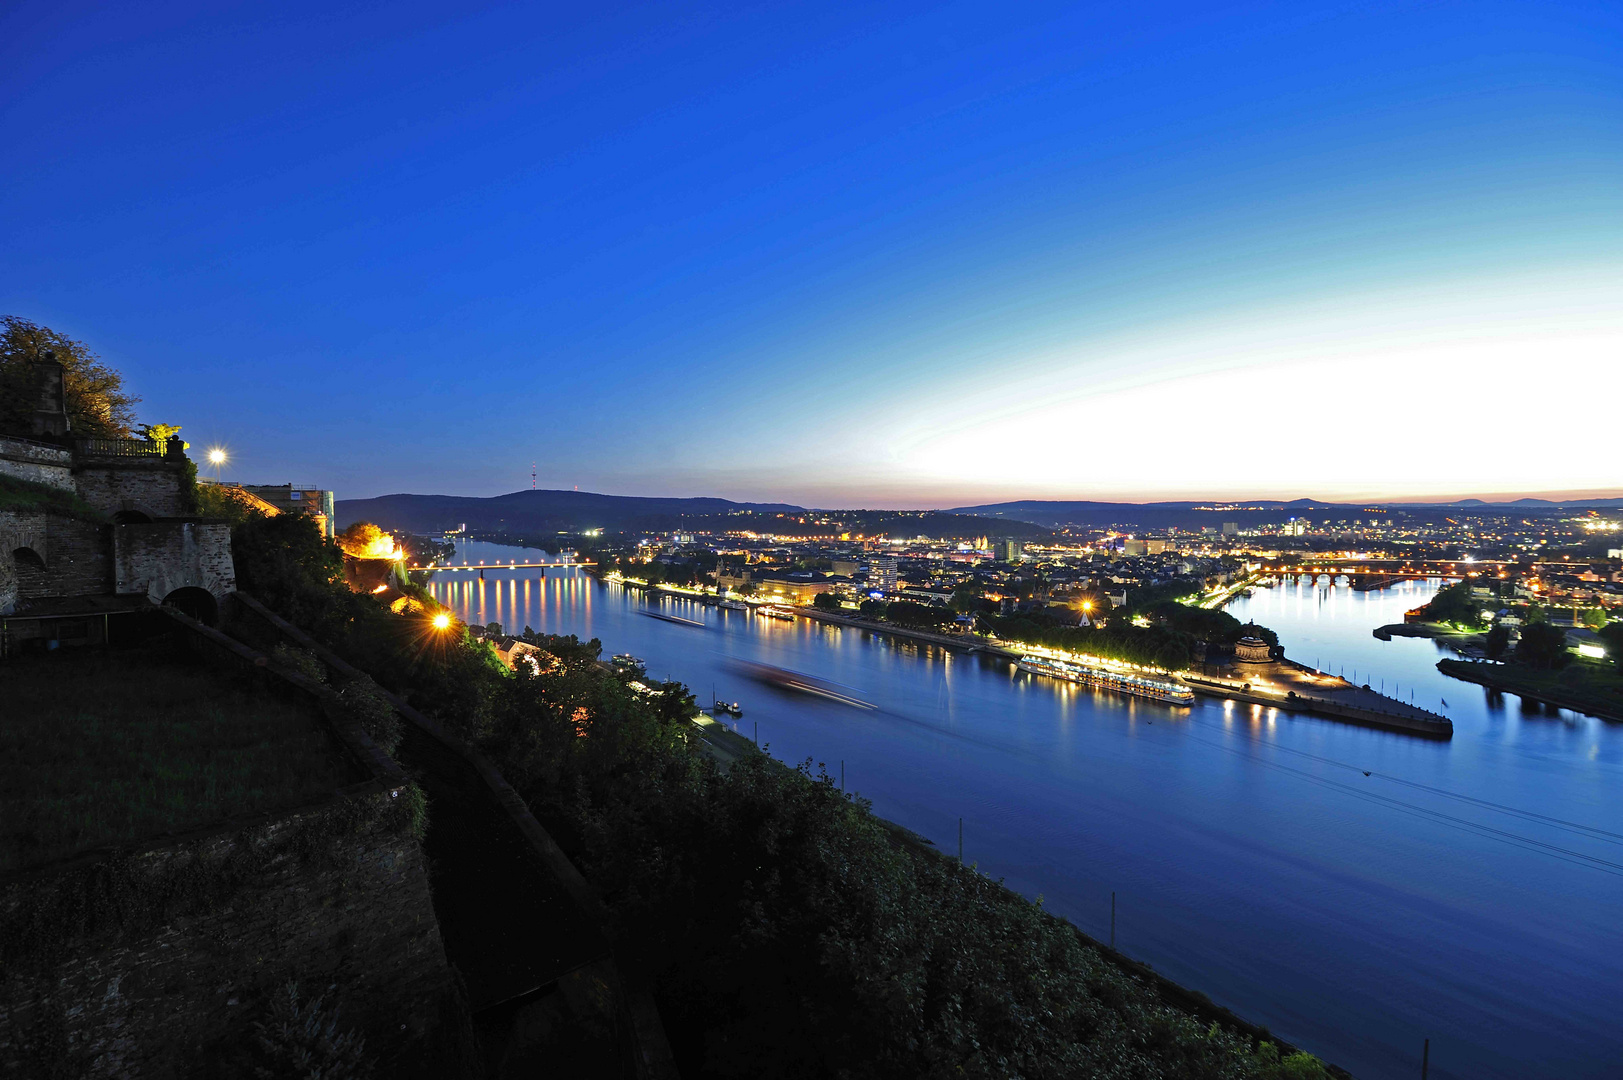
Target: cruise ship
x=1160, y=688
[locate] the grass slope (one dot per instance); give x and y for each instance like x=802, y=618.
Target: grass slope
x=114, y=747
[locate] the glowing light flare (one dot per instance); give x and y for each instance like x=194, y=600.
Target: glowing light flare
x=381, y=546
x=218, y=456
x=442, y=621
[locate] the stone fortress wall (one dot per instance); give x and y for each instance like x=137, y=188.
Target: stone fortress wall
x=149, y=542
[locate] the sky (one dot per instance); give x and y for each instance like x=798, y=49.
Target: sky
x=873, y=255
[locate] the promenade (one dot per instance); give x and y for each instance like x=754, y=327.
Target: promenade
x=1289, y=685
x=1280, y=684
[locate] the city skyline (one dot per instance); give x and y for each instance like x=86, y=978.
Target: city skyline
x=896, y=257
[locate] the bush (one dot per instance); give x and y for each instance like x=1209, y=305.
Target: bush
x=365, y=701
x=303, y=1042
x=302, y=661
x=1543, y=646
x=1455, y=604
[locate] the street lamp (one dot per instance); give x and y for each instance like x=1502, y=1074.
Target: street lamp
x=217, y=458
x=442, y=621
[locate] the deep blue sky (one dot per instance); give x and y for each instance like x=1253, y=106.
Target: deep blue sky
x=879, y=254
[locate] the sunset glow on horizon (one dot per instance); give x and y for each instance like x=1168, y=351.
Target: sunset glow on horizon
x=910, y=256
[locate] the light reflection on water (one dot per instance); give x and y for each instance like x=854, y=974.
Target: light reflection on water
x=1466, y=891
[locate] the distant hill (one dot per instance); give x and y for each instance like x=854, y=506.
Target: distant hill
x=546, y=512
x=1245, y=512
x=537, y=511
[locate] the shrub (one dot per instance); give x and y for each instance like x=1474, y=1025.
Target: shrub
x=365, y=701
x=303, y=1042
x=302, y=661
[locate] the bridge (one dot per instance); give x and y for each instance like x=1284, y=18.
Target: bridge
x=1379, y=573
x=502, y=566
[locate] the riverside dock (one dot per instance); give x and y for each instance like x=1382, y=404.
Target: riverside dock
x=1285, y=684
x=1279, y=684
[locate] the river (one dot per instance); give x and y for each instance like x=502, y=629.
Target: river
x=1355, y=890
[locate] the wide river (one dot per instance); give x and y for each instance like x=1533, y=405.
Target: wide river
x=1355, y=890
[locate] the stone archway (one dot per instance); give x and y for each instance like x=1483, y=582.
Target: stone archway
x=197, y=602
x=29, y=571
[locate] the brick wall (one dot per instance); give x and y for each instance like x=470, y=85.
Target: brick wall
x=19, y=530
x=40, y=464
x=149, y=486
x=76, y=556
x=333, y=905
x=158, y=558
x=78, y=562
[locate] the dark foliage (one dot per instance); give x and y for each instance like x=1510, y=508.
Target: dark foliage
x=1151, y=646
x=1498, y=642
x=787, y=932
x=301, y=1040
x=1543, y=646
x=1455, y=604
x=97, y=402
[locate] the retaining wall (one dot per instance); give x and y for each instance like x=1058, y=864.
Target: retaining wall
x=156, y=961
x=36, y=462
x=160, y=557
x=151, y=486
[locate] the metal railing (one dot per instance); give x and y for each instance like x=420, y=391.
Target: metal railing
x=121, y=448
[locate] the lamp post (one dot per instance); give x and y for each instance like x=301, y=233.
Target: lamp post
x=217, y=458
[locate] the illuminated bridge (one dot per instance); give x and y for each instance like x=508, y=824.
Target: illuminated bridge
x=502, y=566
x=1376, y=573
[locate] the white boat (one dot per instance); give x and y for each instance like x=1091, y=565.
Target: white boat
x=1167, y=688
x=773, y=612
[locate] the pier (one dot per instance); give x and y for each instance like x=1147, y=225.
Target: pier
x=1285, y=684
x=1278, y=684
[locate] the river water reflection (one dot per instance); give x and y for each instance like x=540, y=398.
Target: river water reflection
x=1355, y=890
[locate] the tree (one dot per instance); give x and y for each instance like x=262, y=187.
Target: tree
x=1595, y=618
x=873, y=609
x=1543, y=646
x=826, y=602
x=1498, y=641
x=1454, y=604
x=97, y=403
x=360, y=537
x=1612, y=634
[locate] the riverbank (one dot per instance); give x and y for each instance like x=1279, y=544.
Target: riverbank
x=1378, y=711
x=1299, y=689
x=1586, y=687
x=961, y=642
x=726, y=747
x=1433, y=630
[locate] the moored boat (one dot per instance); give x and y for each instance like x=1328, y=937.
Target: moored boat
x=1164, y=688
